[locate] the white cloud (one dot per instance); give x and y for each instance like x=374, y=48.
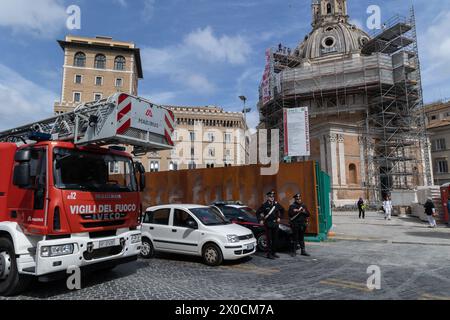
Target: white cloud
x=435, y=46
x=234, y=50
x=122, y=3
x=41, y=18
x=149, y=9
x=162, y=98
x=22, y=101
x=189, y=63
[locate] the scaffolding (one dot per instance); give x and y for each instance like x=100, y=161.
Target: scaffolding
x=388, y=108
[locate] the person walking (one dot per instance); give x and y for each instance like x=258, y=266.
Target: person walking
x=269, y=215
x=298, y=216
x=387, y=206
x=361, y=208
x=430, y=211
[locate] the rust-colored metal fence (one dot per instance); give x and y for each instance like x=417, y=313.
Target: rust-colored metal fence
x=245, y=183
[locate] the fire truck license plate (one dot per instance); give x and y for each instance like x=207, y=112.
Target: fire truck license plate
x=107, y=243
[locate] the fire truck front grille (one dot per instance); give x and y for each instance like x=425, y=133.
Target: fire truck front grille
x=99, y=224
x=102, y=253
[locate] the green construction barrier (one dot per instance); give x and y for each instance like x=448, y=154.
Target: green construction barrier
x=324, y=199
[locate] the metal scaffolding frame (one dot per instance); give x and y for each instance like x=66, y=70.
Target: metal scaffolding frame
x=393, y=125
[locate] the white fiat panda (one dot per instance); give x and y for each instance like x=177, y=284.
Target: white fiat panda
x=194, y=230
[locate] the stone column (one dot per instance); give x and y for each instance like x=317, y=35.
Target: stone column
x=342, y=165
x=362, y=159
x=332, y=158
x=323, y=151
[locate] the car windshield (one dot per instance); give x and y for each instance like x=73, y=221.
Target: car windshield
x=248, y=214
x=209, y=216
x=93, y=172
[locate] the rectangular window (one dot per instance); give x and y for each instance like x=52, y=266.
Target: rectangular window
x=439, y=145
x=173, y=166
x=78, y=79
x=192, y=151
x=212, y=152
x=228, y=152
x=119, y=82
x=98, y=81
x=192, y=135
x=114, y=167
x=211, y=137
x=76, y=96
x=227, y=138
x=442, y=166
x=97, y=96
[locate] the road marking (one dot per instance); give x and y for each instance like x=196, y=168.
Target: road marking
x=346, y=284
x=427, y=296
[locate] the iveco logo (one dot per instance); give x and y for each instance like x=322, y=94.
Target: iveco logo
x=104, y=216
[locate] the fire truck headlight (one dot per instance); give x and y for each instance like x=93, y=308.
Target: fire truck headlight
x=136, y=238
x=56, y=251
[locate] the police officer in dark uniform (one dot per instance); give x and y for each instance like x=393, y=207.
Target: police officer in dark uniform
x=298, y=216
x=270, y=215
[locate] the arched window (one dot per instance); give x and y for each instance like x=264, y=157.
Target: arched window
x=100, y=61
x=329, y=8
x=79, y=60
x=353, y=174
x=119, y=63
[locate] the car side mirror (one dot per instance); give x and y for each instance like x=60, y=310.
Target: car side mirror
x=21, y=176
x=191, y=224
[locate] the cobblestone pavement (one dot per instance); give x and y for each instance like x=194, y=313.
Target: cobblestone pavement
x=412, y=269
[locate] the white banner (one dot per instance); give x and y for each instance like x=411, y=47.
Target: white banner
x=296, y=132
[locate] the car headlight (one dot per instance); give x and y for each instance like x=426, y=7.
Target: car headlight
x=136, y=238
x=232, y=238
x=57, y=251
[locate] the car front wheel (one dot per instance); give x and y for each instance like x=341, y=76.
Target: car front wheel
x=147, y=250
x=262, y=242
x=212, y=256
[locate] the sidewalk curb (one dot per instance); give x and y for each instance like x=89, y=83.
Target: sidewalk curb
x=391, y=241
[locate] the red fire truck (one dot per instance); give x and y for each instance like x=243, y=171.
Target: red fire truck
x=69, y=196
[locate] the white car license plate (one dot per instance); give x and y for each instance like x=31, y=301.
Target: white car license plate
x=250, y=246
x=106, y=243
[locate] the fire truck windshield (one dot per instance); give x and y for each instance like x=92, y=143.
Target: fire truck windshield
x=93, y=172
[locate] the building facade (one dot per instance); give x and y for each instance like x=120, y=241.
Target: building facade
x=204, y=137
x=438, y=126
x=361, y=92
x=95, y=68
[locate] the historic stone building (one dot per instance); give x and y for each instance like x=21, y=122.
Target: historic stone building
x=361, y=92
x=95, y=68
x=205, y=137
x=438, y=125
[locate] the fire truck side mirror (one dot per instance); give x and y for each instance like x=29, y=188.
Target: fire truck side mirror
x=22, y=155
x=21, y=177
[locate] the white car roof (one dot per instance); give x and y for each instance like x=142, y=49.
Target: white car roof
x=176, y=206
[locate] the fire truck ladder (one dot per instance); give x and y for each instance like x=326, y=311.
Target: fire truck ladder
x=119, y=119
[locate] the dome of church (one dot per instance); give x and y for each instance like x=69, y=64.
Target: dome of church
x=335, y=38
x=332, y=33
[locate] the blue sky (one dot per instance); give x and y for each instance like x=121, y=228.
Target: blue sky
x=195, y=52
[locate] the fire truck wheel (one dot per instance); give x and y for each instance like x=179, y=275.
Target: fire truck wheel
x=147, y=250
x=212, y=256
x=11, y=282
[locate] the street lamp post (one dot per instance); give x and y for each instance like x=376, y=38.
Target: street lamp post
x=246, y=110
